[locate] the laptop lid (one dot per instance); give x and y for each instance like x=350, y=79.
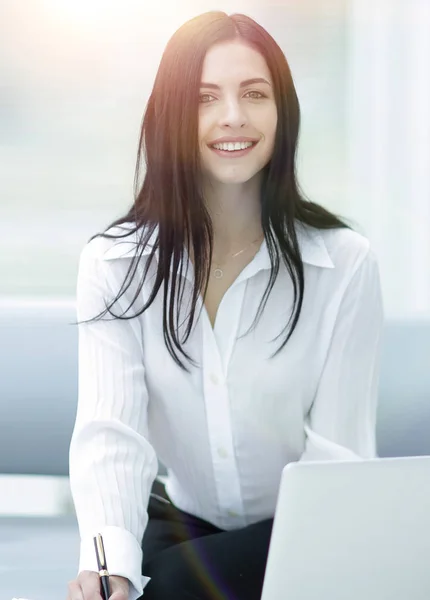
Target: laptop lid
x=351, y=530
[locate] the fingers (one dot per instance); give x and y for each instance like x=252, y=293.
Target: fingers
x=119, y=588
x=85, y=587
x=75, y=591
x=90, y=584
x=119, y=595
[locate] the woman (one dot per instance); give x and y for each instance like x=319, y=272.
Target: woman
x=228, y=326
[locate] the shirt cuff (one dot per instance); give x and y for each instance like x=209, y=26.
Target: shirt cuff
x=123, y=557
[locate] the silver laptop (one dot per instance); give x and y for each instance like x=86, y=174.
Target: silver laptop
x=351, y=530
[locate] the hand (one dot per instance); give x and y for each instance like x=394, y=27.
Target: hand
x=87, y=587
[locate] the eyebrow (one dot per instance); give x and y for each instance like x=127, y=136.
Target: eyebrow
x=213, y=86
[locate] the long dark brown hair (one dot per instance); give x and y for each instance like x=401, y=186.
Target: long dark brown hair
x=170, y=201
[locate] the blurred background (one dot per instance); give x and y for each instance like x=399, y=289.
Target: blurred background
x=75, y=76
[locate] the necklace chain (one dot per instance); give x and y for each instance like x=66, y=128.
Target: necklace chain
x=218, y=272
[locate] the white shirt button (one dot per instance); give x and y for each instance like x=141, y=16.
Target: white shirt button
x=222, y=452
x=214, y=379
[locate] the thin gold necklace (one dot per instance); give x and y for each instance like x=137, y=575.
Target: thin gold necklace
x=218, y=272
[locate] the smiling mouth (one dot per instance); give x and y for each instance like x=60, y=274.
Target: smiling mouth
x=231, y=150
x=232, y=146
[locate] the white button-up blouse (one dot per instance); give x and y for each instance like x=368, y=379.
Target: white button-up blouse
x=226, y=429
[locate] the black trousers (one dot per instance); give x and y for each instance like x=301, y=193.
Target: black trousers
x=190, y=559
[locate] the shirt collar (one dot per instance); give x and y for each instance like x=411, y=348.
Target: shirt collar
x=312, y=247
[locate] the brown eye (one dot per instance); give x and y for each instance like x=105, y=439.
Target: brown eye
x=258, y=95
x=202, y=96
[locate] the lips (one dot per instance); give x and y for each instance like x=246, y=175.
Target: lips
x=212, y=146
x=233, y=153
x=229, y=140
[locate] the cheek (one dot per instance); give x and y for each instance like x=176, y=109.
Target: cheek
x=200, y=135
x=272, y=122
x=204, y=127
x=271, y=134
x=266, y=122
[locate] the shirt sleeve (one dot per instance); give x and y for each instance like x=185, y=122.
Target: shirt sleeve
x=341, y=423
x=112, y=465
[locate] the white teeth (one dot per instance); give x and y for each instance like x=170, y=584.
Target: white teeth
x=231, y=147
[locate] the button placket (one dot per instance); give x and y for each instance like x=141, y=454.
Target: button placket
x=220, y=431
x=228, y=321
x=214, y=378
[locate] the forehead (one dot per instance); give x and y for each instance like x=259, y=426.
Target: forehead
x=233, y=61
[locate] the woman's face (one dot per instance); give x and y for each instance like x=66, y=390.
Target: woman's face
x=234, y=107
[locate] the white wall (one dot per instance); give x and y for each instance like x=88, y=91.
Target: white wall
x=389, y=144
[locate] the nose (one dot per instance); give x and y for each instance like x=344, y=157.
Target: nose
x=233, y=114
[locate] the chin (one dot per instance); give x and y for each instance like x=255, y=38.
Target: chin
x=237, y=177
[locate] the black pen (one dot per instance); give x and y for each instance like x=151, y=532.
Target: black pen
x=101, y=562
